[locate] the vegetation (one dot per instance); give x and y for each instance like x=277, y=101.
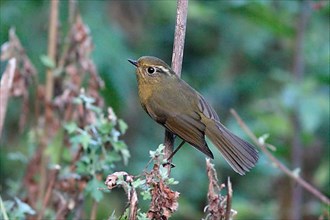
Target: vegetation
x=269, y=60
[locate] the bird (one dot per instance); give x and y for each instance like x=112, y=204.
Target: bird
x=174, y=104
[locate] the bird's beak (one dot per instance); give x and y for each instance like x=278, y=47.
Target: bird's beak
x=133, y=62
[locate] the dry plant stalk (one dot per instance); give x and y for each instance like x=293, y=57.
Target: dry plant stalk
x=76, y=62
x=25, y=73
x=177, y=57
x=277, y=163
x=219, y=207
x=124, y=180
x=76, y=66
x=52, y=51
x=179, y=35
x=164, y=201
x=5, y=87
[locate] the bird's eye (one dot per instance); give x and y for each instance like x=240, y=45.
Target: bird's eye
x=151, y=70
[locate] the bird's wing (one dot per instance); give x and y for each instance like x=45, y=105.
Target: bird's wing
x=190, y=129
x=206, y=109
x=184, y=123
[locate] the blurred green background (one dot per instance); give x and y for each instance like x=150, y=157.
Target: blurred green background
x=239, y=54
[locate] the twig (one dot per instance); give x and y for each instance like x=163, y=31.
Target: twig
x=169, y=145
x=177, y=57
x=3, y=210
x=219, y=206
x=277, y=163
x=72, y=11
x=179, y=35
x=62, y=209
x=125, y=180
x=52, y=45
x=49, y=191
x=133, y=205
x=298, y=73
x=94, y=210
x=5, y=87
x=229, y=197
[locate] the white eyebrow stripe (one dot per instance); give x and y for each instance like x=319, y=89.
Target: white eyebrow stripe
x=165, y=70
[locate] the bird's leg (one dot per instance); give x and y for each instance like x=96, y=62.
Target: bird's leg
x=174, y=152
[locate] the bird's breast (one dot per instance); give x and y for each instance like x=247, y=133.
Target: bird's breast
x=145, y=92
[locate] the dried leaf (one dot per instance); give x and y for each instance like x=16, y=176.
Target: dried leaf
x=164, y=201
x=24, y=72
x=219, y=207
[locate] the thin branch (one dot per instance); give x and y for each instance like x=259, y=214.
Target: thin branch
x=5, y=87
x=169, y=145
x=219, y=206
x=72, y=11
x=112, y=182
x=177, y=57
x=298, y=73
x=179, y=35
x=94, y=210
x=277, y=163
x=52, y=45
x=51, y=184
x=3, y=210
x=133, y=205
x=229, y=198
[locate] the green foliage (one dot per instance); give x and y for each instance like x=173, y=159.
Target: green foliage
x=47, y=62
x=264, y=16
x=92, y=189
x=15, y=209
x=100, y=142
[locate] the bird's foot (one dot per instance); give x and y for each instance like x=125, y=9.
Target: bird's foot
x=168, y=164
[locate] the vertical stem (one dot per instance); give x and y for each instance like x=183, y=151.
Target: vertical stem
x=229, y=198
x=298, y=72
x=72, y=11
x=6, y=83
x=3, y=210
x=51, y=184
x=179, y=35
x=169, y=145
x=94, y=210
x=177, y=57
x=52, y=43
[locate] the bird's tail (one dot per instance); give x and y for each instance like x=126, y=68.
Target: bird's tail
x=240, y=155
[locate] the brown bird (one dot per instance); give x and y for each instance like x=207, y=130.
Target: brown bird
x=171, y=102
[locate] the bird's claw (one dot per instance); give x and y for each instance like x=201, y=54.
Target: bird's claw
x=168, y=163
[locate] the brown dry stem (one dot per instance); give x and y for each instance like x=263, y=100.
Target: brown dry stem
x=53, y=177
x=277, y=163
x=219, y=207
x=5, y=87
x=164, y=201
x=177, y=57
x=124, y=180
x=25, y=73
